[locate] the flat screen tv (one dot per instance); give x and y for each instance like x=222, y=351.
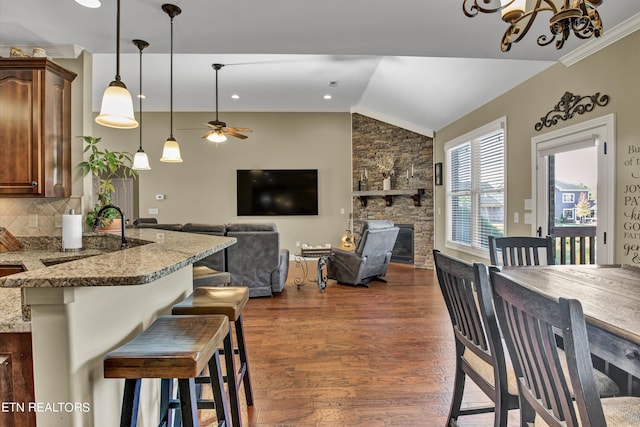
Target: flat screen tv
x=277, y=192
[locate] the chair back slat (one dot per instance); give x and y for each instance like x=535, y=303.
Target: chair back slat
x=580, y=242
x=530, y=323
x=521, y=250
x=471, y=313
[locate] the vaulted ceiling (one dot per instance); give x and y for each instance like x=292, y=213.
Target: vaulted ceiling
x=417, y=63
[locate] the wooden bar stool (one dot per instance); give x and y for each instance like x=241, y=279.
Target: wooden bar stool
x=173, y=347
x=205, y=276
x=229, y=301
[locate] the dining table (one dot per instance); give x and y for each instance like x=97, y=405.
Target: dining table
x=610, y=298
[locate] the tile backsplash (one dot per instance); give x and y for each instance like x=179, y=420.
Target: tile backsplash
x=36, y=216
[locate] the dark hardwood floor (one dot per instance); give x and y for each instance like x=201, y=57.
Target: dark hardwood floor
x=353, y=356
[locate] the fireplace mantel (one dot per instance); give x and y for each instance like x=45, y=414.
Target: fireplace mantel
x=388, y=195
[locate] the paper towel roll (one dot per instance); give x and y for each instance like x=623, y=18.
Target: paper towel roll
x=71, y=232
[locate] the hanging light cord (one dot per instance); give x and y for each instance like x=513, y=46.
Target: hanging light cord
x=171, y=84
x=140, y=98
x=216, y=94
x=118, y=42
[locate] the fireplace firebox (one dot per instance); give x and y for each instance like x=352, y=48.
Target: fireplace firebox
x=403, y=250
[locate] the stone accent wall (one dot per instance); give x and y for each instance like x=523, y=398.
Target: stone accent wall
x=370, y=136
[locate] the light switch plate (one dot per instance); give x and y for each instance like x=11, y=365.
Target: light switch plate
x=152, y=211
x=528, y=218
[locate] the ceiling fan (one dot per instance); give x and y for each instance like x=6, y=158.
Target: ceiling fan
x=219, y=130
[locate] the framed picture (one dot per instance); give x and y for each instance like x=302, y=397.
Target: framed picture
x=437, y=173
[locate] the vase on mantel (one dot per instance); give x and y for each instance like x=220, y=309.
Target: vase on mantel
x=386, y=183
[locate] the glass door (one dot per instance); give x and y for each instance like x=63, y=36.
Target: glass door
x=573, y=185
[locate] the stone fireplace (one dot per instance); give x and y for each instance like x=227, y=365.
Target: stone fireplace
x=412, y=152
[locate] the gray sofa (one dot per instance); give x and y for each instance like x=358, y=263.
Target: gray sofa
x=255, y=261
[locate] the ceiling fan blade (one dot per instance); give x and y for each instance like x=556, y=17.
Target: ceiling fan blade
x=237, y=135
x=206, y=135
x=239, y=129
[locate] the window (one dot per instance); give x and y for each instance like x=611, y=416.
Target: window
x=568, y=214
x=475, y=188
x=568, y=197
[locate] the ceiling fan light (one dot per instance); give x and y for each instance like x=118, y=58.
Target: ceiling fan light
x=116, y=110
x=216, y=137
x=171, y=151
x=141, y=161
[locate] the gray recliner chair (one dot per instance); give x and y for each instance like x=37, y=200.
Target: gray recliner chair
x=370, y=260
x=256, y=260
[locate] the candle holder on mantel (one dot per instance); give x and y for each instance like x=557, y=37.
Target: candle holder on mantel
x=364, y=184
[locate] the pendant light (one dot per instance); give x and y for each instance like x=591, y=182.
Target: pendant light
x=117, y=106
x=171, y=149
x=140, y=160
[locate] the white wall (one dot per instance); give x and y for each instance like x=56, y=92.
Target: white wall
x=203, y=187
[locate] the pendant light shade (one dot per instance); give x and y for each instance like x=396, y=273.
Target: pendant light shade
x=171, y=149
x=140, y=160
x=116, y=110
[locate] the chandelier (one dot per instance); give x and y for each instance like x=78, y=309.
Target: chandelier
x=578, y=16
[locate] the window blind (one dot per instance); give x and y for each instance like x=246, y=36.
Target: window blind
x=475, y=190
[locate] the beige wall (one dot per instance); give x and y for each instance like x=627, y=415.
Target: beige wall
x=203, y=187
x=614, y=71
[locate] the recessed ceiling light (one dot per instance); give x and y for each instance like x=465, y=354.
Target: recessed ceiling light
x=89, y=3
x=327, y=97
x=235, y=96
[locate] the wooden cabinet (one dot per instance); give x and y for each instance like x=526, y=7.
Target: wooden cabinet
x=16, y=380
x=35, y=128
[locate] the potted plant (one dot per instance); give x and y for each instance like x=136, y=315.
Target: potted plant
x=105, y=165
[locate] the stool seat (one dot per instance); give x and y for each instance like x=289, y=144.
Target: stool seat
x=228, y=300
x=205, y=276
x=172, y=347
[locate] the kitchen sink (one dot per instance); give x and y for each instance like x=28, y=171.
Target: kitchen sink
x=6, y=270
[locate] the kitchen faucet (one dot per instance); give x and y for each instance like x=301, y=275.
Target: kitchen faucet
x=96, y=223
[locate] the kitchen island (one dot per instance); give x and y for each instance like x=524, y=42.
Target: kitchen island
x=82, y=309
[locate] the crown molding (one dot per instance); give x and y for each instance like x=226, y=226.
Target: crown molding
x=609, y=37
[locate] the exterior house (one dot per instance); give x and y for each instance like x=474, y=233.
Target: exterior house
x=567, y=198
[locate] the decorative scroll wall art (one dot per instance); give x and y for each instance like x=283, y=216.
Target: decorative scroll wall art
x=569, y=106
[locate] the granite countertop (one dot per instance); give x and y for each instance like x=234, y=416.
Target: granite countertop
x=154, y=254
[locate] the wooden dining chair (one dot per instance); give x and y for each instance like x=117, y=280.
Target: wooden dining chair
x=521, y=250
x=479, y=350
x=530, y=322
